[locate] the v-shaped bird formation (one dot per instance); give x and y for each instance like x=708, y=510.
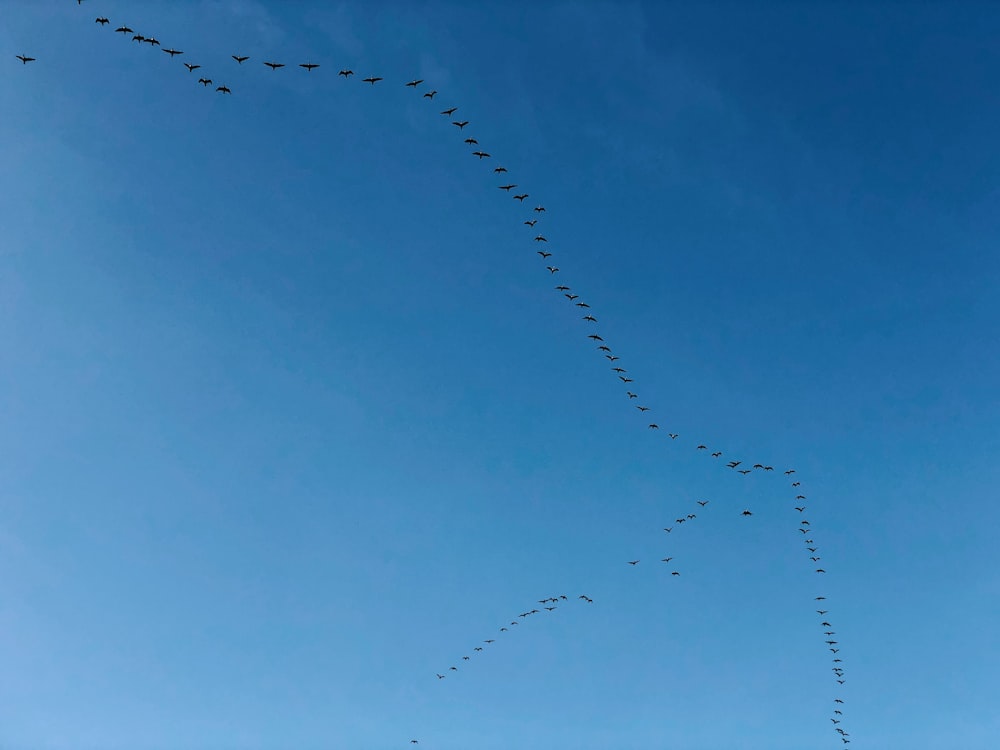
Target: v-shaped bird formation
x=597, y=337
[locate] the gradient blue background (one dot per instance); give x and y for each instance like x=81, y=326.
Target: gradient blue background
x=291, y=417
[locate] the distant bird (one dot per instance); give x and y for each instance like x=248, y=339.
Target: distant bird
x=124, y=30
x=702, y=448
x=562, y=288
x=465, y=658
x=103, y=21
x=345, y=73
x=173, y=52
x=550, y=608
x=820, y=570
x=552, y=269
x=532, y=222
x=716, y=454
x=571, y=297
x=24, y=60
x=800, y=508
x=642, y=408
x=539, y=209
x=274, y=65
x=240, y=58
x=224, y=89
x=480, y=648
x=675, y=573
x=430, y=94
x=820, y=598
x=544, y=254
x=668, y=529
x=582, y=304
x=205, y=81
x=594, y=336
x=139, y=38
x=692, y=515
x=472, y=141
x=666, y=559
x=633, y=562
x=309, y=66
x=747, y=513
x=461, y=125
x=152, y=41
x=796, y=484
x=415, y=83
x=673, y=435
x=822, y=612
x=440, y=676
x=540, y=238
x=733, y=464
x=815, y=559
x=453, y=669
x=490, y=640
x=744, y=472
x=619, y=370
x=449, y=112
x=372, y=79
x=481, y=154
x=654, y=426
x=589, y=318
x=521, y=197
x=790, y=471
x=191, y=68
x=758, y=466
x=703, y=503
x=508, y=188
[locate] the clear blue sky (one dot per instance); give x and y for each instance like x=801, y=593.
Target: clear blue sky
x=291, y=417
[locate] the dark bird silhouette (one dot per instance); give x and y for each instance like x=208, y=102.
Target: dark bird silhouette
x=191, y=68
x=532, y=222
x=173, y=52
x=654, y=426
x=589, y=318
x=550, y=608
x=430, y=94
x=481, y=154
x=440, y=676
x=472, y=141
x=24, y=60
x=820, y=570
x=540, y=238
x=562, y=288
x=450, y=112
x=642, y=408
x=544, y=254
x=733, y=464
x=666, y=559
x=490, y=640
x=790, y=471
x=539, y=209
x=716, y=454
x=747, y=513
x=744, y=472
x=498, y=170
x=372, y=79
x=800, y=509
x=521, y=197
x=139, y=38
x=571, y=297
x=675, y=573
x=103, y=21
x=461, y=124
x=552, y=269
x=703, y=503
x=480, y=648
x=453, y=669
x=274, y=65
x=508, y=188
x=633, y=562
x=668, y=529
x=702, y=447
x=224, y=89
x=594, y=336
x=124, y=30
x=309, y=66
x=800, y=497
x=205, y=81
x=152, y=41
x=345, y=73
x=415, y=83
x=820, y=598
x=240, y=58
x=796, y=484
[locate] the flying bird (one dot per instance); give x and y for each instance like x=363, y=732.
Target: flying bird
x=481, y=154
x=450, y=112
x=702, y=447
x=415, y=83
x=472, y=141
x=747, y=513
x=539, y=209
x=532, y=222
x=173, y=52
x=205, y=81
x=309, y=66
x=508, y=188
x=124, y=30
x=540, y=238
x=240, y=58
x=274, y=65
x=703, y=503
x=24, y=60
x=521, y=197
x=633, y=562
x=152, y=41
x=552, y=269
x=372, y=79
x=345, y=73
x=716, y=454
x=430, y=94
x=544, y=254
x=642, y=408
x=224, y=89
x=461, y=124
x=103, y=21
x=191, y=68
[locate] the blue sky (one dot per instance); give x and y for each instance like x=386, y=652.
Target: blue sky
x=293, y=419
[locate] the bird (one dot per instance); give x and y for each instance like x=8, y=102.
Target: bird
x=675, y=573
x=540, y=238
x=224, y=89
x=790, y=471
x=465, y=658
x=490, y=640
x=173, y=52
x=642, y=408
x=800, y=508
x=703, y=503
x=205, y=81
x=589, y=318
x=345, y=73
x=668, y=529
x=103, y=21
x=372, y=79
x=552, y=269
x=453, y=669
x=747, y=513
x=24, y=60
x=240, y=58
x=139, y=38
x=539, y=209
x=508, y=188
x=654, y=426
x=820, y=598
x=309, y=66
x=430, y=94
x=822, y=612
x=480, y=648
x=191, y=68
x=744, y=472
x=449, y=112
x=152, y=41
x=274, y=65
x=498, y=170
x=820, y=570
x=415, y=83
x=461, y=125
x=666, y=559
x=733, y=464
x=796, y=484
x=758, y=466
x=472, y=141
x=716, y=454
x=702, y=448
x=594, y=336
x=544, y=254
x=619, y=370
x=532, y=222
x=562, y=288
x=800, y=497
x=550, y=608
x=633, y=562
x=440, y=676
x=124, y=30
x=481, y=154
x=521, y=197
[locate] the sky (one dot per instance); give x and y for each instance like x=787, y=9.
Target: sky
x=292, y=418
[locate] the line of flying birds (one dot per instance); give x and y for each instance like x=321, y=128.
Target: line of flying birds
x=551, y=603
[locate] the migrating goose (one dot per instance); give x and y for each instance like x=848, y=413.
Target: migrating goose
x=173, y=52
x=461, y=124
x=240, y=58
x=205, y=81
x=191, y=68
x=372, y=79
x=415, y=83
x=103, y=21
x=224, y=89
x=450, y=112
x=274, y=65
x=430, y=94
x=345, y=73
x=309, y=66
x=24, y=60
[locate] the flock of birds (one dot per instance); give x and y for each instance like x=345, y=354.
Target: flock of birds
x=612, y=361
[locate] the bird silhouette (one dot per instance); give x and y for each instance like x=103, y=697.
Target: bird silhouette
x=309, y=66
x=552, y=269
x=372, y=79
x=703, y=503
x=274, y=65
x=205, y=81
x=747, y=513
x=539, y=209
x=633, y=562
x=345, y=73
x=24, y=59
x=430, y=94
x=103, y=21
x=191, y=68
x=124, y=30
x=460, y=124
x=240, y=58
x=481, y=154
x=224, y=89
x=544, y=254
x=415, y=83
x=450, y=112
x=173, y=52
x=472, y=141
x=702, y=447
x=508, y=188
